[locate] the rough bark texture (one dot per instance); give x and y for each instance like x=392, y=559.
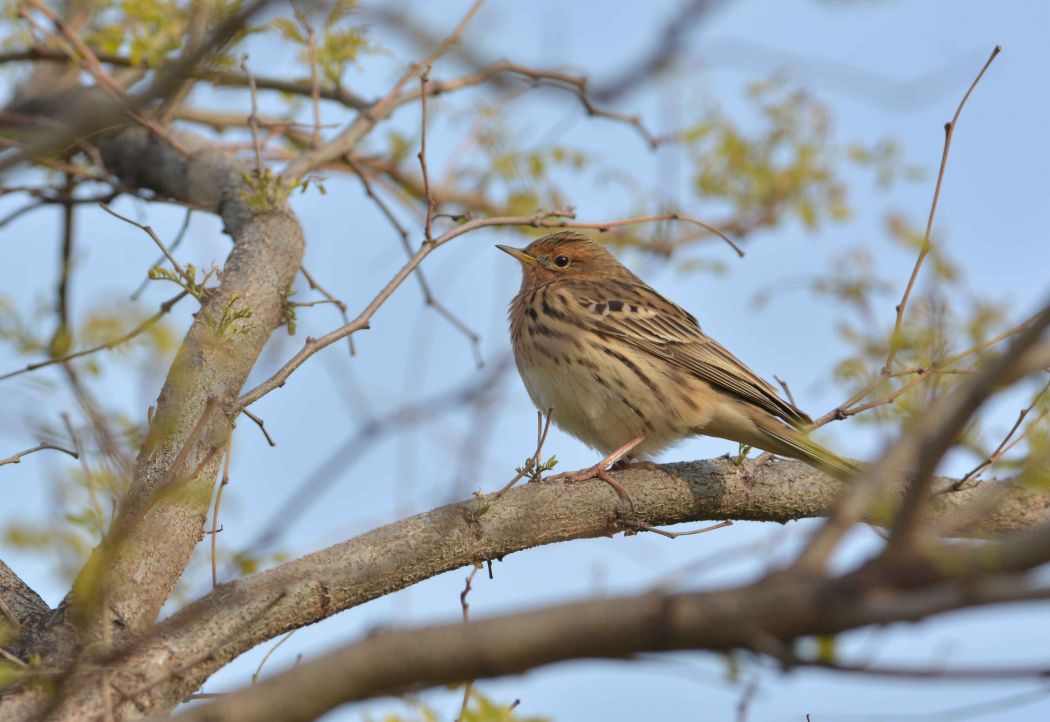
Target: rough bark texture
x=173, y=660
x=765, y=617
x=146, y=552
x=210, y=367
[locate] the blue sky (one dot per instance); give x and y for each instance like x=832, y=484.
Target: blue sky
x=887, y=68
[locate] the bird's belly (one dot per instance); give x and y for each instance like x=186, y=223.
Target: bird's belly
x=605, y=404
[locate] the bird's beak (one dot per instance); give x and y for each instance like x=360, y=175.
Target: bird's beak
x=518, y=253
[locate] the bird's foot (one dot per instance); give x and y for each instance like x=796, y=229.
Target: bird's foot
x=599, y=471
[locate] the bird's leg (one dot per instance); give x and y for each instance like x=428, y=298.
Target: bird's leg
x=599, y=470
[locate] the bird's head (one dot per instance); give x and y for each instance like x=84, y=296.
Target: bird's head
x=563, y=256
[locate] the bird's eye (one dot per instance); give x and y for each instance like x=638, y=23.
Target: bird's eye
x=561, y=261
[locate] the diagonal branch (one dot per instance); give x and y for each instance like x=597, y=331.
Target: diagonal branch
x=306, y=590
x=170, y=488
x=367, y=119
x=765, y=616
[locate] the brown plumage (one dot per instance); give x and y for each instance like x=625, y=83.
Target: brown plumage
x=616, y=360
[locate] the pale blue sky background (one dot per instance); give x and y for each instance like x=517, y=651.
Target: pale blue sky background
x=889, y=68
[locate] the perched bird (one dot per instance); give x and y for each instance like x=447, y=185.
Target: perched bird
x=630, y=373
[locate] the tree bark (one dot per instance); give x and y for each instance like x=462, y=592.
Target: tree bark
x=168, y=663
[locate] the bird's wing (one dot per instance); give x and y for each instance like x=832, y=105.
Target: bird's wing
x=645, y=319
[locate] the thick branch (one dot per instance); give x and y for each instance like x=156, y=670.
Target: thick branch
x=765, y=617
x=187, y=648
x=136, y=568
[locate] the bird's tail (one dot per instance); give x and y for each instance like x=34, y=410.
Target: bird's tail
x=786, y=441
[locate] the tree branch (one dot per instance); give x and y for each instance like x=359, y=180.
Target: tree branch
x=178, y=464
x=207, y=634
x=765, y=617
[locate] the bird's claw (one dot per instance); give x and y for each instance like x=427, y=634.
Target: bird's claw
x=597, y=471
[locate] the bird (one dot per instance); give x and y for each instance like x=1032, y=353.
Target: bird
x=630, y=373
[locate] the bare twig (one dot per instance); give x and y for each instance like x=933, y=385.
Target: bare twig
x=1005, y=445
x=363, y=320
x=315, y=80
x=13, y=659
x=113, y=343
x=543, y=425
x=337, y=302
x=367, y=119
x=642, y=526
x=852, y=407
x=156, y=239
x=187, y=446
x=949, y=131
x=253, y=120
x=469, y=686
x=603, y=226
x=269, y=653
x=424, y=286
x=174, y=245
x=17, y=458
x=541, y=77
x=428, y=197
x=262, y=426
x=66, y=264
x=215, y=528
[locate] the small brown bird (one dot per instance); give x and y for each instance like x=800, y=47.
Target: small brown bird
x=630, y=373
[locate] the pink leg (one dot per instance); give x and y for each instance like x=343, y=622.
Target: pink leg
x=598, y=471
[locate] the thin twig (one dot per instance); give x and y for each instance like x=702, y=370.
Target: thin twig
x=603, y=226
x=187, y=446
x=422, y=155
x=543, y=77
x=1005, y=445
x=642, y=526
x=363, y=320
x=258, y=670
x=13, y=659
x=314, y=285
x=469, y=686
x=113, y=343
x=66, y=263
x=156, y=239
x=253, y=119
x=174, y=245
x=424, y=286
x=949, y=131
x=20, y=211
x=215, y=529
x=315, y=80
x=17, y=458
x=261, y=424
x=849, y=407
x=382, y=108
x=541, y=437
